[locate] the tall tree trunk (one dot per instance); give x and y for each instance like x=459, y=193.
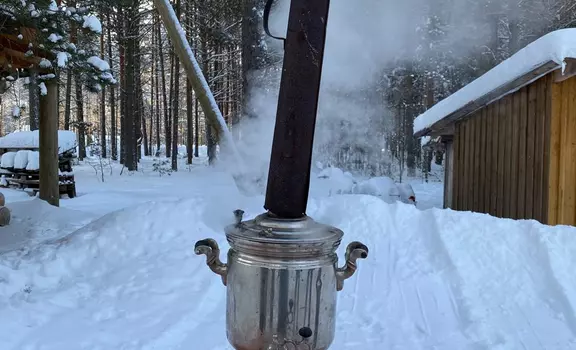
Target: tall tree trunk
x=113, y=131
x=1, y=119
x=156, y=86
x=176, y=97
x=151, y=131
x=139, y=103
x=103, y=108
x=210, y=135
x=197, y=46
x=165, y=96
x=189, y=123
x=175, y=114
x=68, y=103
x=152, y=91
x=81, y=125
x=69, y=74
x=33, y=100
x=252, y=51
x=196, y=129
x=131, y=160
x=430, y=101
x=123, y=99
x=189, y=104
x=145, y=135
x=410, y=114
x=168, y=124
x=210, y=144
x=206, y=68
x=514, y=41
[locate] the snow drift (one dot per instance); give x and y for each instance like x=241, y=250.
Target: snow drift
x=435, y=279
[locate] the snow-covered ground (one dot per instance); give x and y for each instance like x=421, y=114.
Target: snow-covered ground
x=115, y=269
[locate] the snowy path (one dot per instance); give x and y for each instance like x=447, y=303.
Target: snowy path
x=128, y=279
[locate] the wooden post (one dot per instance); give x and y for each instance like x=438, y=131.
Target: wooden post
x=49, y=187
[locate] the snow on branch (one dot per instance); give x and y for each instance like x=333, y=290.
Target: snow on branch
x=99, y=63
x=53, y=41
x=92, y=23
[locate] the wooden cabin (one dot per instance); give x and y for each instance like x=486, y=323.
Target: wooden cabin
x=510, y=136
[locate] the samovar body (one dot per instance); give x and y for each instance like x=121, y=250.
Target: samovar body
x=282, y=281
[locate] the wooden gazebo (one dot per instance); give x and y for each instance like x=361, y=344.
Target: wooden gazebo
x=15, y=40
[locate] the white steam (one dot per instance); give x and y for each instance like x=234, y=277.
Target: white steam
x=363, y=38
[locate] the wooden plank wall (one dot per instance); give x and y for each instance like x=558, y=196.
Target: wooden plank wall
x=448, y=175
x=501, y=162
x=562, y=165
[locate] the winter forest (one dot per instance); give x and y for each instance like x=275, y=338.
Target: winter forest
x=388, y=62
x=188, y=174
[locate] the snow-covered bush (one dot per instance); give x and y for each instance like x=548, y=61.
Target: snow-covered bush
x=162, y=167
x=385, y=188
x=338, y=181
x=97, y=161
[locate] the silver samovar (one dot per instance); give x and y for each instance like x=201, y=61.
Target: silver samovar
x=281, y=274
x=282, y=279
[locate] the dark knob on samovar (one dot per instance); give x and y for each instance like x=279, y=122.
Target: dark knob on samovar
x=305, y=332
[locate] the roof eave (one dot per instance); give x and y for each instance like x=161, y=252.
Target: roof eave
x=496, y=94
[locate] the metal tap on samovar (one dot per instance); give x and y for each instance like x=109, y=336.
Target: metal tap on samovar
x=281, y=274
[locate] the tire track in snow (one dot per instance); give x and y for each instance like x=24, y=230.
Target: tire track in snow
x=441, y=259
x=548, y=284
x=203, y=310
x=365, y=304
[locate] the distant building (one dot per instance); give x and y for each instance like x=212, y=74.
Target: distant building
x=510, y=135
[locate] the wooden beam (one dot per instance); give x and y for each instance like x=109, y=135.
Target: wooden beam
x=49, y=188
x=18, y=59
x=490, y=97
x=12, y=42
x=14, y=50
x=569, y=71
x=447, y=131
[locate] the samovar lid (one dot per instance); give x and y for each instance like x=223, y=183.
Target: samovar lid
x=267, y=235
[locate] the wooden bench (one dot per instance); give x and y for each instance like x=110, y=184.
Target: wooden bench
x=31, y=180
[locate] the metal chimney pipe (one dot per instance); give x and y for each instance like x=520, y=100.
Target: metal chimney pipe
x=290, y=161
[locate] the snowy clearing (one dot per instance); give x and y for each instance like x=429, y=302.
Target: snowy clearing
x=114, y=268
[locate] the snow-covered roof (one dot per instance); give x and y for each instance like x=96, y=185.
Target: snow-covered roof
x=554, y=47
x=31, y=139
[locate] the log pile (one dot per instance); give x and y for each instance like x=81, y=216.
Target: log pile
x=4, y=212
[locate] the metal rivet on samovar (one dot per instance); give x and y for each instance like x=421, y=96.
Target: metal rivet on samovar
x=281, y=273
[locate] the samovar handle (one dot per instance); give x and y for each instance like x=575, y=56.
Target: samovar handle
x=354, y=251
x=210, y=248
